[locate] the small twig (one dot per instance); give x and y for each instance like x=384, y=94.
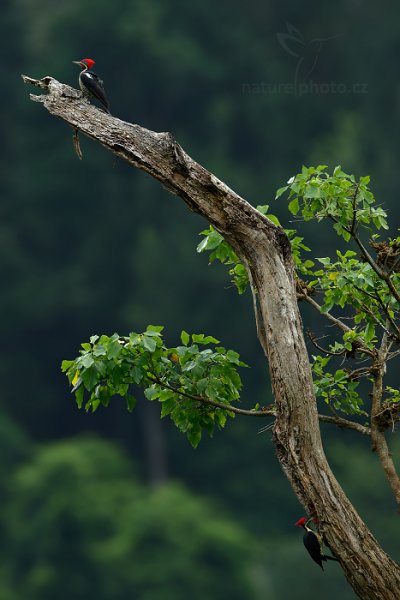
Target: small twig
x=369, y=312
x=354, y=223
x=324, y=350
x=394, y=354
x=77, y=144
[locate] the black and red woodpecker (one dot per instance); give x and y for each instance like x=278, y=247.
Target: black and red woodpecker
x=313, y=543
x=90, y=83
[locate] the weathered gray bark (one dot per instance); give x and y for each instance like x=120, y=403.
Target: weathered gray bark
x=265, y=251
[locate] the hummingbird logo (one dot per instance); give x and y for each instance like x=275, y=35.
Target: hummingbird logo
x=306, y=52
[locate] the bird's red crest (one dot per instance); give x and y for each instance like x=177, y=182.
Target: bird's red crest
x=88, y=62
x=301, y=522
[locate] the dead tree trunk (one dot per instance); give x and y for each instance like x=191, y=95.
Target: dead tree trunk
x=265, y=251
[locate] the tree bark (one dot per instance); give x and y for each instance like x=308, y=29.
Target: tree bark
x=265, y=251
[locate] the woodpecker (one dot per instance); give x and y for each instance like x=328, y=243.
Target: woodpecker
x=90, y=83
x=313, y=543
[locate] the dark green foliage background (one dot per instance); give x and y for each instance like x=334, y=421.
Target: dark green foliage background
x=96, y=247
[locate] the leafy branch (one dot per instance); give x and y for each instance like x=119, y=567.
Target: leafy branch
x=181, y=378
x=195, y=387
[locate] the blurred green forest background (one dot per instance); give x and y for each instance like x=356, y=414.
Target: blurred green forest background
x=117, y=505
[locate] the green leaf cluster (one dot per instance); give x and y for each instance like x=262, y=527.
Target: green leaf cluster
x=186, y=379
x=337, y=388
x=350, y=282
x=314, y=194
x=219, y=249
x=353, y=284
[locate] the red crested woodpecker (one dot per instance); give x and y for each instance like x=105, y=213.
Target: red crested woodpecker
x=313, y=543
x=90, y=83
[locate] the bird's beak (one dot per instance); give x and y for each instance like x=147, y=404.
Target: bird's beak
x=77, y=62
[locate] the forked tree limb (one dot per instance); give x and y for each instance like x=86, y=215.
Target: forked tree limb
x=265, y=251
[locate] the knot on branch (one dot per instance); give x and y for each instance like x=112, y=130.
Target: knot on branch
x=177, y=154
x=303, y=289
x=388, y=255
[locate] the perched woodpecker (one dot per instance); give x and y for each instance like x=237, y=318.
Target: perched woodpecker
x=90, y=83
x=313, y=543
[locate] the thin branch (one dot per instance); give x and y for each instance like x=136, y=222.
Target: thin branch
x=395, y=262
x=369, y=312
x=385, y=309
x=77, y=144
x=382, y=274
x=394, y=354
x=342, y=326
x=357, y=373
x=345, y=423
x=327, y=315
x=354, y=223
x=379, y=442
x=266, y=412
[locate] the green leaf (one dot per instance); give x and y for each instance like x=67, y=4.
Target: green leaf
x=233, y=357
x=152, y=333
x=137, y=374
x=313, y=189
x=99, y=350
x=149, y=343
x=114, y=349
x=194, y=437
x=281, y=191
x=79, y=396
x=151, y=392
x=66, y=364
x=130, y=402
x=369, y=333
x=156, y=328
x=294, y=206
x=200, y=338
x=185, y=337
x=89, y=377
x=211, y=241
x=86, y=360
